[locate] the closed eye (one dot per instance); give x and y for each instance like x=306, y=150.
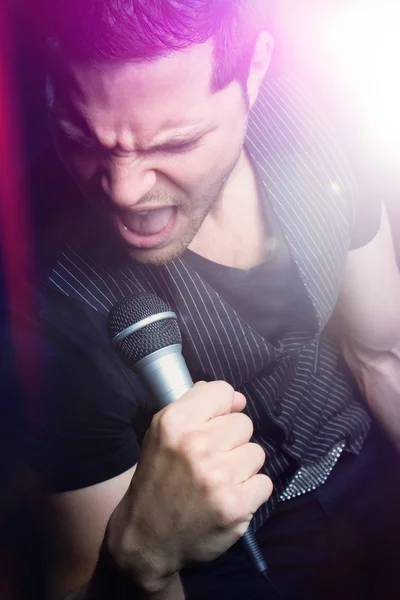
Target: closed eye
x=178, y=148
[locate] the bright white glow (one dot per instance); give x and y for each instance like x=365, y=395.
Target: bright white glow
x=362, y=42
x=335, y=187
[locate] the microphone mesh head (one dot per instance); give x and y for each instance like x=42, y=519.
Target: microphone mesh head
x=149, y=339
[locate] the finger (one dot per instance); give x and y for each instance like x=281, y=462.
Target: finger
x=239, y=402
x=229, y=431
x=256, y=491
x=205, y=402
x=243, y=463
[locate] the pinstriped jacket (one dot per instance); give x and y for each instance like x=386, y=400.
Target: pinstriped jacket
x=314, y=196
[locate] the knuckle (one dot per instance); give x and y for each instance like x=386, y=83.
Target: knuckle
x=194, y=445
x=169, y=425
x=222, y=387
x=170, y=418
x=210, y=479
x=229, y=509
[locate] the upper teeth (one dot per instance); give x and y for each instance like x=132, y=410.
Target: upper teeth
x=143, y=212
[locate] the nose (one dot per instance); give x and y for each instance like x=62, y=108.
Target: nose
x=126, y=181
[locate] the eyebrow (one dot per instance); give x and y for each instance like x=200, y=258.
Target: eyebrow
x=73, y=126
x=79, y=130
x=73, y=130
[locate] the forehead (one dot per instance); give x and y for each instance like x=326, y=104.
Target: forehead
x=166, y=93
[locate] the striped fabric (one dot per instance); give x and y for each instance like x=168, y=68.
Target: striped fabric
x=301, y=402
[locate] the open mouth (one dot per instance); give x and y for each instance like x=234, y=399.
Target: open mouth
x=147, y=228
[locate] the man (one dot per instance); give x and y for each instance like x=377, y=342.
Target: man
x=223, y=192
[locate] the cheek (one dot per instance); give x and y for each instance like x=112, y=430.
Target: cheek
x=191, y=175
x=81, y=164
x=196, y=171
x=79, y=161
x=83, y=168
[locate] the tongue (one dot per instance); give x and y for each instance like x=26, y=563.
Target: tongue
x=155, y=221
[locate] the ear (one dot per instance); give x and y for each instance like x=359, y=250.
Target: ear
x=259, y=65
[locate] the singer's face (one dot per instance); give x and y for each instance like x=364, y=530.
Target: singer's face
x=150, y=143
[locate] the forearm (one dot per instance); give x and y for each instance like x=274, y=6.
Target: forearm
x=173, y=591
x=378, y=375
x=110, y=583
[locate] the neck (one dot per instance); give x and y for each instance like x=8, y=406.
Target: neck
x=233, y=233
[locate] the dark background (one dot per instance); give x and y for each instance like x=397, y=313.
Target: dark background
x=295, y=24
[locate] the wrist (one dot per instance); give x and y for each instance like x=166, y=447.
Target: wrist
x=171, y=589
x=163, y=589
x=129, y=548
x=110, y=581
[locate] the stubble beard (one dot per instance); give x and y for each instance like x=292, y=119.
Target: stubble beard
x=162, y=256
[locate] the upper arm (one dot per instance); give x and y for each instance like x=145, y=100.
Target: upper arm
x=80, y=438
x=78, y=522
x=369, y=301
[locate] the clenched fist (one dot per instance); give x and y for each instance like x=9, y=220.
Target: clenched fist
x=195, y=489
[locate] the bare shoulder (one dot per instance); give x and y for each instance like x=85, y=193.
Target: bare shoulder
x=370, y=292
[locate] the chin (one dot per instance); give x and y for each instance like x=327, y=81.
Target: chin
x=157, y=256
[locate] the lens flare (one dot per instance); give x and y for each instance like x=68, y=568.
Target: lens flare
x=362, y=43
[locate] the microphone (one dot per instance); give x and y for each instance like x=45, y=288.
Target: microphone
x=145, y=334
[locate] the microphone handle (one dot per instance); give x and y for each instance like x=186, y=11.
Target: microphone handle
x=168, y=377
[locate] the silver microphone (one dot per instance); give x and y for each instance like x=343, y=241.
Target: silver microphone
x=145, y=334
